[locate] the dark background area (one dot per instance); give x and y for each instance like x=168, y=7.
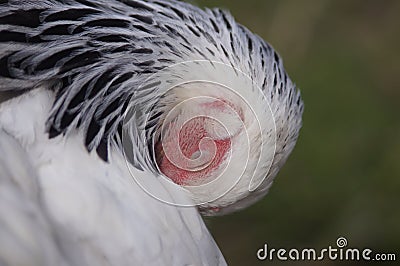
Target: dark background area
x=343, y=178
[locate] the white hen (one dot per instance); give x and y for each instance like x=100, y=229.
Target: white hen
x=187, y=111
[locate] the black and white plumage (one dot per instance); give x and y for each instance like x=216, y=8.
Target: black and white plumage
x=82, y=68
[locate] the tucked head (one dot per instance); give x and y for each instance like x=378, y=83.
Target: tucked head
x=222, y=139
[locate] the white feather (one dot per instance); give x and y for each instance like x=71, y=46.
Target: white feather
x=88, y=212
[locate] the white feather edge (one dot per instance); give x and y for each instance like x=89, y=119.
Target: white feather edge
x=94, y=211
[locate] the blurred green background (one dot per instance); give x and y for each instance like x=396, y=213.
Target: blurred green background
x=343, y=178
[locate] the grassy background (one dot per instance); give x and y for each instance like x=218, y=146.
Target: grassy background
x=343, y=178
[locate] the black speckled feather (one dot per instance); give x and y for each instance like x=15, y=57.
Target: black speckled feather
x=95, y=55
